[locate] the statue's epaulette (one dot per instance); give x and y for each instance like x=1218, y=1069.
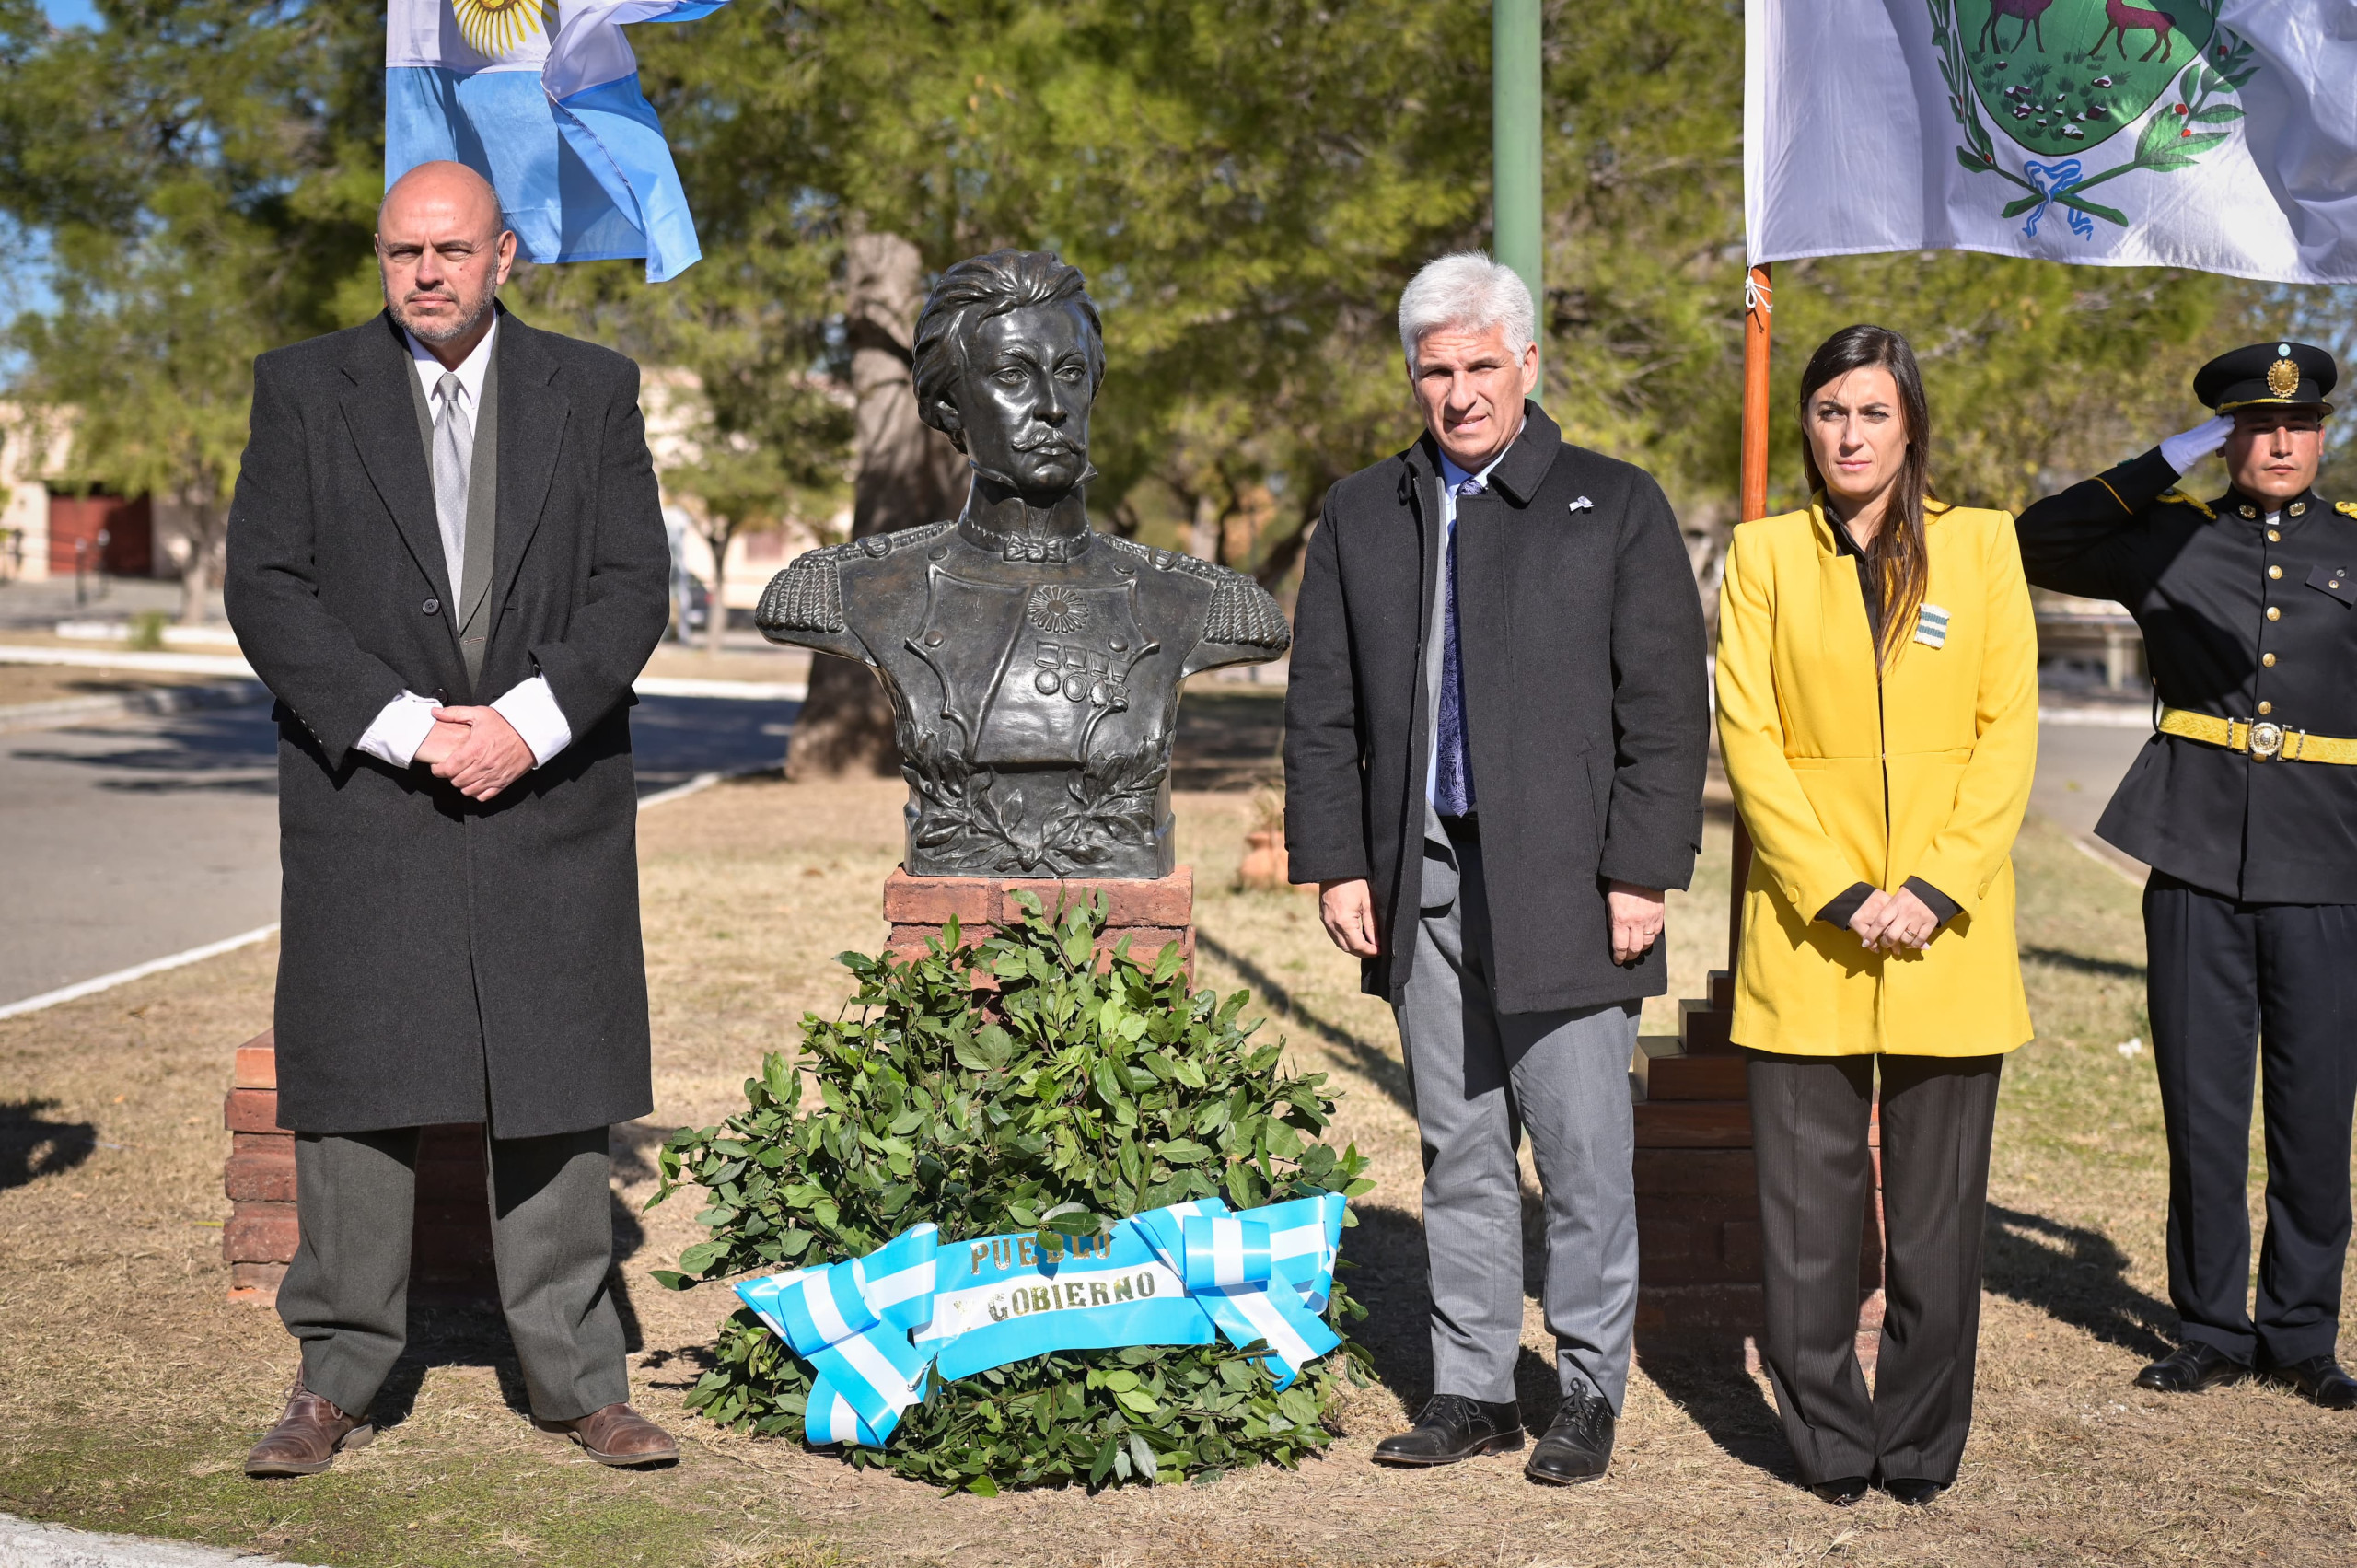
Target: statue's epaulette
x=2179, y=498
x=1241, y=611
x=2346, y=508
x=809, y=595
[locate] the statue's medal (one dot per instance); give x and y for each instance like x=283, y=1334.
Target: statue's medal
x=1029, y=669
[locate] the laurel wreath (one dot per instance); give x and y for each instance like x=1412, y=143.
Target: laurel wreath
x=2169, y=141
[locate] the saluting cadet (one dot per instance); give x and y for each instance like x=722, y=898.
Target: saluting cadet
x=2245, y=805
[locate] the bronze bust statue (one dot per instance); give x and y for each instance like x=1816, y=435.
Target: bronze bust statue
x=1033, y=664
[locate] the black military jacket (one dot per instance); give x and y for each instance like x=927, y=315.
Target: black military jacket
x=2242, y=620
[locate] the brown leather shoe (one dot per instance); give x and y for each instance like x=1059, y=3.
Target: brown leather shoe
x=308, y=1437
x=616, y=1435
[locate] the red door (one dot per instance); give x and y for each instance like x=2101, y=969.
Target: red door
x=75, y=523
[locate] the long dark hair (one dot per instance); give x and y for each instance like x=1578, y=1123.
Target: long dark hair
x=1897, y=555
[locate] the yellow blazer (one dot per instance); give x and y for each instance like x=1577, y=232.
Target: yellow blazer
x=1841, y=784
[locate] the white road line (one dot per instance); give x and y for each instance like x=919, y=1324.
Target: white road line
x=75, y=993
x=231, y=664
x=138, y=971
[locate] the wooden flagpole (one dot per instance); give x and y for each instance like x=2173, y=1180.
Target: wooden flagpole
x=1759, y=311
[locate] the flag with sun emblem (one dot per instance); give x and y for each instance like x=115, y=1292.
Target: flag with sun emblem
x=2218, y=135
x=542, y=97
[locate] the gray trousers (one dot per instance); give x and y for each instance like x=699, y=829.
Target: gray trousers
x=1808, y=1127
x=1479, y=1078
x=346, y=1294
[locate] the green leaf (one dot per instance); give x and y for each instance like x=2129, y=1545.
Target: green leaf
x=1142, y=1455
x=1182, y=1151
x=1138, y=1399
x=699, y=1259
x=982, y=1486
x=2218, y=113
x=672, y=1280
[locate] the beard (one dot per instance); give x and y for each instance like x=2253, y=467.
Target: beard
x=440, y=333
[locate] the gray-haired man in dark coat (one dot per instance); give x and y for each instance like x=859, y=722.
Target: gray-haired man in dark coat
x=1494, y=744
x=447, y=562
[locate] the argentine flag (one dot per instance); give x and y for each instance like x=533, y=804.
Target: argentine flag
x=541, y=97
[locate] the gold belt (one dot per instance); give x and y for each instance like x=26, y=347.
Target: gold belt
x=2263, y=741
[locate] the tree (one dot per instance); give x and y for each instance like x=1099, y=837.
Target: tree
x=205, y=174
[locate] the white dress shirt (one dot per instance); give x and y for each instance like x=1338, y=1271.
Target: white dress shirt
x=401, y=726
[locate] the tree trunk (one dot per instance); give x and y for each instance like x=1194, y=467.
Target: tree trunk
x=196, y=572
x=715, y=614
x=908, y=474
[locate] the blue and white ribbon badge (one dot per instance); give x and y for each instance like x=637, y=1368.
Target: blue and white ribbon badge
x=2052, y=179
x=1583, y=505
x=1932, y=626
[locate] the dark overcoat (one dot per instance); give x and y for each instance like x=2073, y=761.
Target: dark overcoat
x=1581, y=639
x=443, y=960
x=2242, y=618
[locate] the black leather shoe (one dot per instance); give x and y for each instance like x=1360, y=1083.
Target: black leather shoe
x=1842, y=1491
x=1453, y=1427
x=1912, y=1491
x=1578, y=1445
x=2319, y=1380
x=2190, y=1368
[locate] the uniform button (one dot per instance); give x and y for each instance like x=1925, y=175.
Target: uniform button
x=2275, y=571
x=2274, y=536
x=430, y=606
x=2249, y=512
x=2265, y=709
x=2299, y=507
x=2267, y=659
x=2273, y=613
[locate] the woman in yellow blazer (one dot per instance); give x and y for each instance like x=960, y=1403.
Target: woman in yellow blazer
x=1877, y=696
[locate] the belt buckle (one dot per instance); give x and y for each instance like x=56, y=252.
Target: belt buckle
x=2265, y=740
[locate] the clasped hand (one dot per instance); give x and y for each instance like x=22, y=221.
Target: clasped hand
x=1888, y=923
x=476, y=750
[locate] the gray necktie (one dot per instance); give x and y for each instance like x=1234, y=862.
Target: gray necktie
x=454, y=451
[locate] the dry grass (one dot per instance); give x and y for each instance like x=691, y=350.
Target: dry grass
x=52, y=682
x=130, y=1386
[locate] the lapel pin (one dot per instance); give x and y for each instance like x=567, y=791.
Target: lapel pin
x=1583, y=505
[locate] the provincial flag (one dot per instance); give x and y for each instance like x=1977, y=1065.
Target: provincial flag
x=2215, y=134
x=541, y=98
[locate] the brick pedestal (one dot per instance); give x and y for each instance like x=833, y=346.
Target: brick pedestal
x=1151, y=915
x=450, y=1259
x=1698, y=1203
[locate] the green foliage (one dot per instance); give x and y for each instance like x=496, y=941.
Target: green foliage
x=1069, y=1097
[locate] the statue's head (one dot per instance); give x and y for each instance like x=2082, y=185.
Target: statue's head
x=1009, y=355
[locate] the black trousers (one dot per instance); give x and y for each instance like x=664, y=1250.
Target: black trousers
x=346, y=1294
x=2229, y=982
x=1809, y=1120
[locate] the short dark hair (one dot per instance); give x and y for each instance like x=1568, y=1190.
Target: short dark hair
x=978, y=288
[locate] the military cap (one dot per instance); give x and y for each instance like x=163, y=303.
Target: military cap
x=2266, y=373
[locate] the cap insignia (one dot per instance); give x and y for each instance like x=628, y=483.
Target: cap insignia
x=2284, y=349
x=2283, y=377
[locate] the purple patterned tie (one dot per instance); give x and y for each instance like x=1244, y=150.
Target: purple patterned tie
x=1452, y=775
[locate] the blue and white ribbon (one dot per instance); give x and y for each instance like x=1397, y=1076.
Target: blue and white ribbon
x=2050, y=181
x=1189, y=1275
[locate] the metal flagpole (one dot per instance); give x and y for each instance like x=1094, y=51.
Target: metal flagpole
x=1759, y=310
x=1515, y=227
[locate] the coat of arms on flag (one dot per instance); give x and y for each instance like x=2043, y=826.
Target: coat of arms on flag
x=2217, y=134
x=2069, y=82
x=541, y=98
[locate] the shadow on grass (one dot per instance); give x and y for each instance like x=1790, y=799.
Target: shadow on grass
x=32, y=1146
x=1707, y=1381
x=2075, y=1275
x=1378, y=1066
x=2079, y=963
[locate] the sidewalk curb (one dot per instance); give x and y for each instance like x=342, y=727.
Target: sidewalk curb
x=145, y=701
x=26, y=1544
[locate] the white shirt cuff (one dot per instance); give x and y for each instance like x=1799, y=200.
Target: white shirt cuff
x=531, y=709
x=400, y=730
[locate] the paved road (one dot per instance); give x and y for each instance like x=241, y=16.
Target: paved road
x=2079, y=765
x=125, y=841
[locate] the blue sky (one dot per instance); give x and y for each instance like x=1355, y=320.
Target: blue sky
x=71, y=13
